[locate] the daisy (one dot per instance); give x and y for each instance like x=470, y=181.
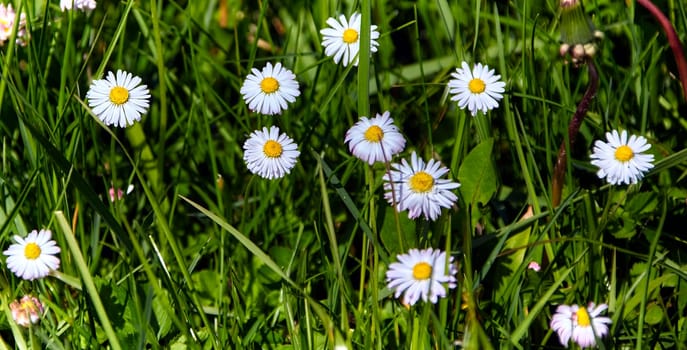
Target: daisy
x=26, y=311
x=417, y=187
x=118, y=100
x=268, y=92
x=621, y=160
x=82, y=5
x=477, y=89
x=269, y=153
x=376, y=139
x=342, y=39
x=581, y=324
x=7, y=16
x=33, y=257
x=421, y=274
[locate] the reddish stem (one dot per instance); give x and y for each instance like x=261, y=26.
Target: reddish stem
x=573, y=129
x=674, y=41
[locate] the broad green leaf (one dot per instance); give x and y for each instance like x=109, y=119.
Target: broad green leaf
x=395, y=241
x=654, y=314
x=477, y=174
x=642, y=203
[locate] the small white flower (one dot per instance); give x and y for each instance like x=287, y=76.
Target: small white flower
x=269, y=153
x=82, y=5
x=534, y=266
x=581, y=324
x=118, y=100
x=376, y=139
x=26, y=311
x=621, y=160
x=7, y=16
x=33, y=257
x=268, y=92
x=477, y=89
x=421, y=274
x=342, y=39
x=417, y=187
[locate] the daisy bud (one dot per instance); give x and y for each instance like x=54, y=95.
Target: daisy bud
x=590, y=49
x=578, y=52
x=26, y=311
x=577, y=29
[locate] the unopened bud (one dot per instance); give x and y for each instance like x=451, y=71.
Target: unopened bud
x=590, y=50
x=598, y=35
x=578, y=52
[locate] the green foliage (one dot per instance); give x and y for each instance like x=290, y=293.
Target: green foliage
x=477, y=175
x=204, y=254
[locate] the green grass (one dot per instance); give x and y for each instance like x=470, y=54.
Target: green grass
x=203, y=254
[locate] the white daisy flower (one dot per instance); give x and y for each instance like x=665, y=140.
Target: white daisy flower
x=7, y=15
x=118, y=100
x=82, y=5
x=269, y=153
x=581, y=324
x=621, y=160
x=268, y=92
x=342, y=39
x=421, y=274
x=477, y=89
x=417, y=187
x=33, y=257
x=26, y=311
x=376, y=139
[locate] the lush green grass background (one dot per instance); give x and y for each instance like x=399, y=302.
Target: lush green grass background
x=204, y=254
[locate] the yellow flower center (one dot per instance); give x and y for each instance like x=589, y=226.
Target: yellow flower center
x=422, y=271
x=350, y=36
x=119, y=95
x=32, y=251
x=477, y=86
x=269, y=85
x=272, y=149
x=29, y=306
x=374, y=134
x=421, y=182
x=624, y=153
x=583, y=317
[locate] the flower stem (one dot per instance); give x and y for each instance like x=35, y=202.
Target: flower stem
x=673, y=39
x=573, y=129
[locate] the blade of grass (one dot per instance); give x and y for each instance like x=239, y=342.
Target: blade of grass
x=260, y=254
x=336, y=257
x=524, y=325
x=81, y=265
x=650, y=262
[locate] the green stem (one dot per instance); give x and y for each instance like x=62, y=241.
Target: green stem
x=364, y=60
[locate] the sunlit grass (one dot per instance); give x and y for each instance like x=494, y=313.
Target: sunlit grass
x=204, y=254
